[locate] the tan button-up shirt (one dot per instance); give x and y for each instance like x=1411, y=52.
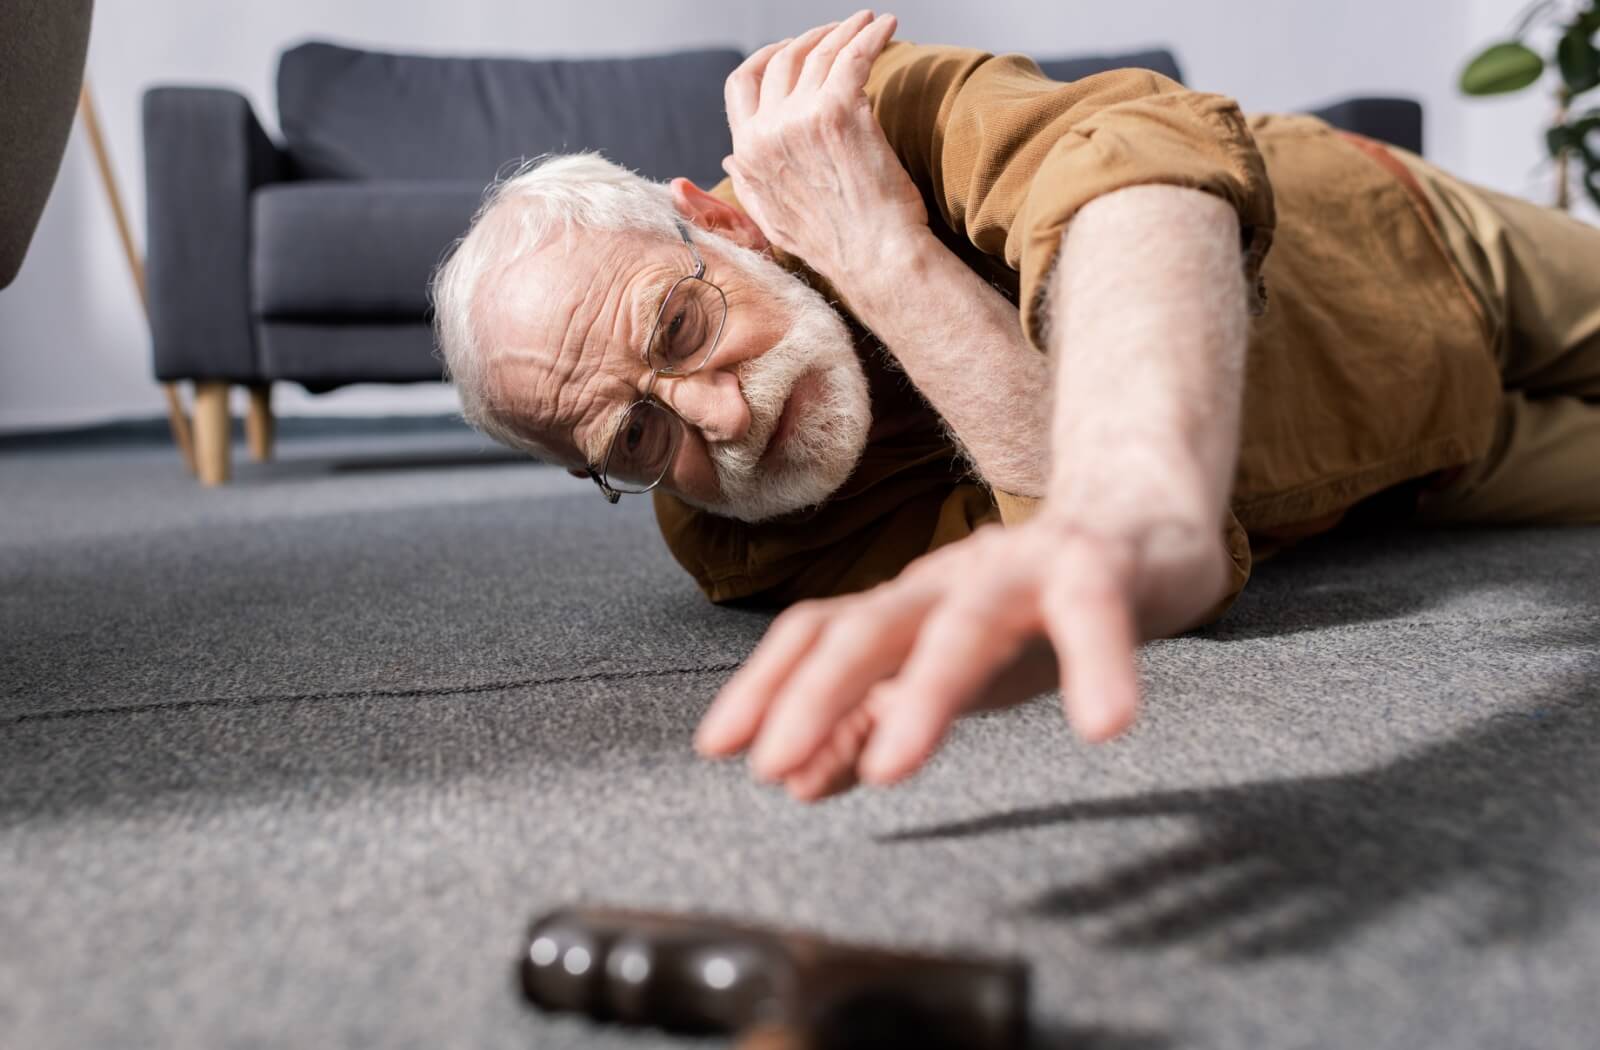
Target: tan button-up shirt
x=1369, y=366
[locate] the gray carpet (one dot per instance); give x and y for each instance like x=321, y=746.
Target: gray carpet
x=293, y=764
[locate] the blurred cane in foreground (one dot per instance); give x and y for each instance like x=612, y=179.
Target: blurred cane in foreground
x=777, y=990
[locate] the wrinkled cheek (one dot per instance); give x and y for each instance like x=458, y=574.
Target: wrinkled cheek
x=695, y=476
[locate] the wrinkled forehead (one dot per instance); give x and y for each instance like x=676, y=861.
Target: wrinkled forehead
x=563, y=328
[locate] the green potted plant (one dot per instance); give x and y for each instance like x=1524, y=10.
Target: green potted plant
x=1512, y=65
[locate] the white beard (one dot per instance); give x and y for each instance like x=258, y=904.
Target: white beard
x=829, y=433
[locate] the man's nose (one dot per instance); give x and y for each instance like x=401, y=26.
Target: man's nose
x=710, y=401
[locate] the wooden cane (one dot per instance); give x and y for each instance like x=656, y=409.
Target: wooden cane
x=773, y=989
x=182, y=435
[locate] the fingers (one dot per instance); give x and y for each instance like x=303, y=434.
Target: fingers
x=820, y=60
x=958, y=631
x=741, y=92
x=849, y=71
x=832, y=768
x=736, y=714
x=1091, y=622
x=784, y=68
x=963, y=645
x=1033, y=671
x=774, y=71
x=857, y=650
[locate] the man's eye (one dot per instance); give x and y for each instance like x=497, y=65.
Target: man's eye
x=681, y=332
x=634, y=436
x=674, y=346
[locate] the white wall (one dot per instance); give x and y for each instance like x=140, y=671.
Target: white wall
x=73, y=346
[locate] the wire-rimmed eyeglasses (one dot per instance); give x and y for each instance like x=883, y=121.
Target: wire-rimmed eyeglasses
x=687, y=329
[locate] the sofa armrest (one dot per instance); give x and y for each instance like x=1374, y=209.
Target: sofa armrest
x=204, y=154
x=1397, y=121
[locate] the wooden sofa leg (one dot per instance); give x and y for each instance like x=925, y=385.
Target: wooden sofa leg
x=212, y=432
x=259, y=424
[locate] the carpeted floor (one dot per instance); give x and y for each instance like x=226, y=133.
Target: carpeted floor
x=293, y=764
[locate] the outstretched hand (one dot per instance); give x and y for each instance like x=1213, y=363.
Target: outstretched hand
x=865, y=687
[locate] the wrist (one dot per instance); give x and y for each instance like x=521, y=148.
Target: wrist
x=873, y=273
x=1134, y=479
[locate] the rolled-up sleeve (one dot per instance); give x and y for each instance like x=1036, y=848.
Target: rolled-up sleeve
x=1007, y=156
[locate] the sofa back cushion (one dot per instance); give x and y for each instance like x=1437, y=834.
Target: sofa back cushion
x=1065, y=69
x=348, y=113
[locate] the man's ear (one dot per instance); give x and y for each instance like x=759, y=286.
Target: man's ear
x=575, y=472
x=714, y=214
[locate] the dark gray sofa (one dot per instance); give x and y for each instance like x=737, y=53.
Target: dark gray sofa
x=307, y=260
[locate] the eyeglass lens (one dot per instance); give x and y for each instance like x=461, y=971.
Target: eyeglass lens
x=643, y=447
x=686, y=330
x=684, y=337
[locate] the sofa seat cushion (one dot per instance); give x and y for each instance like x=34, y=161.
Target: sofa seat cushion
x=340, y=249
x=322, y=355
x=350, y=113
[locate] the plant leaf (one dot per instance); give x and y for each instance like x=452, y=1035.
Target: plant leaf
x=1579, y=61
x=1501, y=68
x=1574, y=134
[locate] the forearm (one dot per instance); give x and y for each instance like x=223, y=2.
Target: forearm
x=960, y=342
x=1148, y=331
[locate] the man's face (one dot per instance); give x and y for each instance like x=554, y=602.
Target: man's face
x=775, y=421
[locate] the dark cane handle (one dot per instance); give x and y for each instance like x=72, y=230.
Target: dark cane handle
x=698, y=974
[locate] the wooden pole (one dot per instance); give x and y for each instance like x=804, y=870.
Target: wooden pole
x=177, y=418
x=1563, y=172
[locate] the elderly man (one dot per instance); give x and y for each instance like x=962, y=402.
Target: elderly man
x=940, y=290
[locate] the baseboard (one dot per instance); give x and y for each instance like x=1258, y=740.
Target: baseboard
x=153, y=430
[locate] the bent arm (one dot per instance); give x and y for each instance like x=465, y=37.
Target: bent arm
x=1149, y=311
x=1007, y=158
x=960, y=342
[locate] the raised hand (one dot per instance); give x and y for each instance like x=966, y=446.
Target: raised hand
x=810, y=164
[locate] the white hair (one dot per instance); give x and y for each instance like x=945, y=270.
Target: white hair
x=540, y=200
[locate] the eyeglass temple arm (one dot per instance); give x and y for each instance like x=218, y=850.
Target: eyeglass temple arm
x=699, y=263
x=611, y=494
